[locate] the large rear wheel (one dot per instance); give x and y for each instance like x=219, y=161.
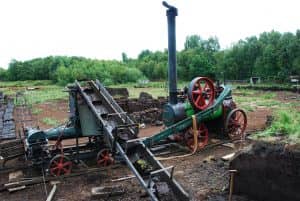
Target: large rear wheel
x=202, y=137
x=236, y=123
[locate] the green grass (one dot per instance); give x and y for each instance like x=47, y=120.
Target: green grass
x=286, y=123
x=156, y=89
x=46, y=90
x=26, y=83
x=249, y=108
x=244, y=92
x=36, y=111
x=155, y=84
x=47, y=93
x=155, y=92
x=268, y=103
x=268, y=95
x=49, y=121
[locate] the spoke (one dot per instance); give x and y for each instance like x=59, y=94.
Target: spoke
x=198, y=99
x=101, y=161
x=67, y=171
x=239, y=116
x=202, y=101
x=61, y=159
x=53, y=169
x=196, y=92
x=111, y=160
x=58, y=172
x=242, y=121
x=199, y=85
x=67, y=164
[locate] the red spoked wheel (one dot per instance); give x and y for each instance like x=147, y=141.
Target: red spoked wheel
x=104, y=158
x=202, y=137
x=201, y=92
x=60, y=165
x=236, y=123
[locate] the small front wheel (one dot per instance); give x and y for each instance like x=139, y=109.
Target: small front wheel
x=105, y=158
x=60, y=165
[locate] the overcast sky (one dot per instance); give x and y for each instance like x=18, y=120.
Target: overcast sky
x=103, y=29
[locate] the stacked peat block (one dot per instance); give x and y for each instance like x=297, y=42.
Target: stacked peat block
x=144, y=109
x=7, y=123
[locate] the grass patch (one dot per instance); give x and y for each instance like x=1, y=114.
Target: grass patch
x=268, y=103
x=155, y=84
x=47, y=93
x=156, y=89
x=155, y=92
x=268, y=95
x=50, y=121
x=286, y=123
x=36, y=111
x=244, y=92
x=26, y=83
x=248, y=108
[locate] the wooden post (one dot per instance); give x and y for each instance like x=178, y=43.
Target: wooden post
x=232, y=172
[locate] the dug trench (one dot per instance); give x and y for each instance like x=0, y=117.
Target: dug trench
x=268, y=171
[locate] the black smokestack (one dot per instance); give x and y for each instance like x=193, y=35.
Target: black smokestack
x=171, y=14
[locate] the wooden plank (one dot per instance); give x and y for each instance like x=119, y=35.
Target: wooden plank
x=107, y=191
x=52, y=192
x=16, y=188
x=38, y=180
x=228, y=157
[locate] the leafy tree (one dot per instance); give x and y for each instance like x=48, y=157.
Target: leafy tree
x=3, y=74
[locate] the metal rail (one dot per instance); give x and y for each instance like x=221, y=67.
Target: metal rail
x=137, y=151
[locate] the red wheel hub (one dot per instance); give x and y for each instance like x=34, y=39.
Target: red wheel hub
x=202, y=137
x=104, y=158
x=236, y=123
x=201, y=92
x=60, y=165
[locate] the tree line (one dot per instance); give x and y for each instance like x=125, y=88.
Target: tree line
x=271, y=55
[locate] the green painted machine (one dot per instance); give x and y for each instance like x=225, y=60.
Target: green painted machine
x=204, y=99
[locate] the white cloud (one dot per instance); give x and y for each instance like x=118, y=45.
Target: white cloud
x=104, y=29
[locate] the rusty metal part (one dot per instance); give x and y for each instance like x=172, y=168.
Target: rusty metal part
x=201, y=93
x=105, y=158
x=236, y=123
x=201, y=136
x=60, y=165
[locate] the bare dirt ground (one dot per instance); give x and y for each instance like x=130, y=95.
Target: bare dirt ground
x=257, y=119
x=204, y=175
x=57, y=110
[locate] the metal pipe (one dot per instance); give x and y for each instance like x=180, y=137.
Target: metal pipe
x=172, y=73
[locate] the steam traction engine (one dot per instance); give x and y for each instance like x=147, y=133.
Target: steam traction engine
x=202, y=100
